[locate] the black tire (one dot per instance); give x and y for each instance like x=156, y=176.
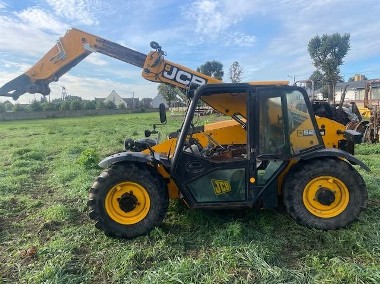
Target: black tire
x=324, y=193
x=128, y=201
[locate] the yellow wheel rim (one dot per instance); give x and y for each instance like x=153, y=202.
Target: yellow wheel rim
x=127, y=203
x=326, y=196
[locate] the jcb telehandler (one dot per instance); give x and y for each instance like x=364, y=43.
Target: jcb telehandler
x=271, y=149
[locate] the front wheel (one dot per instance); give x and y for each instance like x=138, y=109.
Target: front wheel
x=127, y=201
x=324, y=193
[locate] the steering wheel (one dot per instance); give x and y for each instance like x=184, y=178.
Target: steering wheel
x=192, y=145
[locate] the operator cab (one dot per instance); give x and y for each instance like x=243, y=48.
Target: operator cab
x=238, y=163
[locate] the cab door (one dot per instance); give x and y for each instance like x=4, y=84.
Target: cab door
x=212, y=167
x=283, y=128
x=268, y=119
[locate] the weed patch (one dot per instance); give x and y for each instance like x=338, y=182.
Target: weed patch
x=89, y=158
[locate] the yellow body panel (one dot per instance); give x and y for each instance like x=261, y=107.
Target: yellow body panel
x=267, y=83
x=332, y=131
x=228, y=104
x=226, y=135
x=224, y=132
x=164, y=148
x=220, y=124
x=365, y=113
x=300, y=141
x=172, y=187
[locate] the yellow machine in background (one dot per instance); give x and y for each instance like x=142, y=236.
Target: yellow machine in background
x=371, y=113
x=271, y=147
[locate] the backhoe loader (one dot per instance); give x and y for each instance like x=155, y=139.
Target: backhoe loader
x=272, y=148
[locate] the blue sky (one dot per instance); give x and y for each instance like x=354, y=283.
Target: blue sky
x=268, y=38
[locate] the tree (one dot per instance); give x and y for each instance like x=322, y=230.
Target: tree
x=90, y=105
x=2, y=108
x=76, y=105
x=65, y=105
x=327, y=53
x=48, y=106
x=18, y=107
x=169, y=93
x=35, y=106
x=100, y=104
x=73, y=98
x=110, y=105
x=57, y=103
x=146, y=102
x=121, y=106
x=235, y=72
x=318, y=79
x=212, y=69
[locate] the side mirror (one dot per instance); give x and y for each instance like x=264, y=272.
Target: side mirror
x=162, y=109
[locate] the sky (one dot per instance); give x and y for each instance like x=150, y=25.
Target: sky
x=268, y=38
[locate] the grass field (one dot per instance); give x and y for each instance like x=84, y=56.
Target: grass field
x=47, y=167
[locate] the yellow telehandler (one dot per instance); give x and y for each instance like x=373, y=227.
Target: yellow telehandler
x=272, y=148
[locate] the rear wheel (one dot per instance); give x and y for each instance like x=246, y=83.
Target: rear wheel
x=324, y=193
x=127, y=201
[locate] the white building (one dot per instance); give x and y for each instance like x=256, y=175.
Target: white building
x=355, y=91
x=114, y=97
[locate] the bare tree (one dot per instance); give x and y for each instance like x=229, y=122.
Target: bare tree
x=235, y=72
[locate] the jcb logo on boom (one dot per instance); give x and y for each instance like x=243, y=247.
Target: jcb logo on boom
x=181, y=76
x=221, y=186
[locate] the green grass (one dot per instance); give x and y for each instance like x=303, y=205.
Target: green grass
x=47, y=167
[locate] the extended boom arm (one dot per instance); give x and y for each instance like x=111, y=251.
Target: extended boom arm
x=76, y=45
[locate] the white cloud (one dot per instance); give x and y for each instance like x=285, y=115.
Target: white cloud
x=19, y=66
x=208, y=19
x=213, y=18
x=239, y=39
x=2, y=5
x=96, y=59
x=81, y=11
x=19, y=38
x=29, y=32
x=37, y=19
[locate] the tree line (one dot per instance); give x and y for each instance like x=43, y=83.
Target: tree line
x=70, y=103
